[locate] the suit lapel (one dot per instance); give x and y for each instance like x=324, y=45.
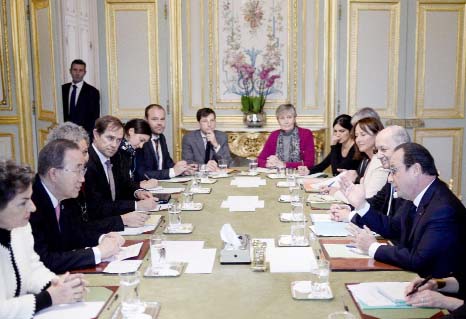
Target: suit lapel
x=45, y=206
x=81, y=95
x=421, y=210
x=99, y=168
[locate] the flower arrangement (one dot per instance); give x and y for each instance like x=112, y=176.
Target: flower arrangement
x=254, y=85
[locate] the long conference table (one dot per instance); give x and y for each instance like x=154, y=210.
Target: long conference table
x=235, y=291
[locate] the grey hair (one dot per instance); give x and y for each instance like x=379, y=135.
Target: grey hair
x=399, y=134
x=285, y=108
x=363, y=113
x=68, y=131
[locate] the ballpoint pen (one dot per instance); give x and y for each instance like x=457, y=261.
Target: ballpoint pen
x=111, y=302
x=419, y=285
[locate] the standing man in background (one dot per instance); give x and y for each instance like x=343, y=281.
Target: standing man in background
x=81, y=101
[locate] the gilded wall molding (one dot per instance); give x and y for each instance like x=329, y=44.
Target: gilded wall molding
x=5, y=80
x=11, y=137
x=456, y=134
x=176, y=71
x=43, y=113
x=446, y=111
x=112, y=7
x=355, y=7
x=5, y=120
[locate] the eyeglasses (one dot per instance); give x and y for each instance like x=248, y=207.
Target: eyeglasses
x=79, y=171
x=392, y=170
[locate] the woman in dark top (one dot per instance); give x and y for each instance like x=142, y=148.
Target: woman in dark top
x=341, y=151
x=431, y=295
x=137, y=132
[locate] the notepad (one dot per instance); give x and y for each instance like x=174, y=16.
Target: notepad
x=342, y=251
x=330, y=229
x=126, y=252
x=122, y=266
x=380, y=295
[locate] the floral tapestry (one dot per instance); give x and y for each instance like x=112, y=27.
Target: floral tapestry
x=252, y=49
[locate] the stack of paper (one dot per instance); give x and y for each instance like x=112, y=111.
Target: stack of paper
x=376, y=295
x=151, y=224
x=248, y=181
x=292, y=259
x=330, y=229
x=200, y=260
x=242, y=203
x=122, y=266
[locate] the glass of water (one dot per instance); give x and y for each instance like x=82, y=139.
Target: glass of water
x=174, y=215
x=253, y=166
x=187, y=199
x=129, y=291
x=223, y=165
x=291, y=177
x=321, y=275
x=157, y=251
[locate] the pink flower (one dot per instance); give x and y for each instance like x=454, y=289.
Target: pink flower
x=270, y=81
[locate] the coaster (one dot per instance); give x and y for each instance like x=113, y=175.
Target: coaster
x=307, y=290
x=285, y=241
x=288, y=217
x=172, y=269
x=192, y=206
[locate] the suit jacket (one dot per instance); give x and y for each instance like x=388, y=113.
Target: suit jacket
x=98, y=194
x=193, y=149
x=431, y=243
x=88, y=105
x=336, y=160
x=381, y=200
x=146, y=162
x=60, y=249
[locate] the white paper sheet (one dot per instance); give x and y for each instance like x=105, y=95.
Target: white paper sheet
x=242, y=203
x=126, y=252
x=136, y=230
x=160, y=207
x=379, y=294
x=177, y=180
x=82, y=310
x=286, y=184
x=316, y=218
x=292, y=259
x=202, y=262
x=266, y=170
x=330, y=229
x=122, y=266
x=248, y=182
x=342, y=251
x=168, y=190
x=181, y=251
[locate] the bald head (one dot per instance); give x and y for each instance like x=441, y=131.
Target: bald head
x=386, y=141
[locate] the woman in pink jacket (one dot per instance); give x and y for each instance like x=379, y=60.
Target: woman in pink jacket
x=290, y=146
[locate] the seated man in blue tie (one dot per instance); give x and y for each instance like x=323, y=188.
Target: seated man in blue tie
x=154, y=160
x=429, y=227
x=61, y=239
x=206, y=145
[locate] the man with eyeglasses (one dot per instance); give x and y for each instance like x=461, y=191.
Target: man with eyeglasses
x=60, y=238
x=109, y=189
x=385, y=201
x=206, y=145
x=429, y=226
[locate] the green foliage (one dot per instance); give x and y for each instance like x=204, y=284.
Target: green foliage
x=252, y=104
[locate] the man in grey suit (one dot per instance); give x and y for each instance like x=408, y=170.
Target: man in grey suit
x=206, y=145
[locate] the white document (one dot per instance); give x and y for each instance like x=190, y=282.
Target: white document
x=276, y=176
x=82, y=310
x=160, y=207
x=177, y=180
x=266, y=170
x=380, y=294
x=342, y=251
x=317, y=198
x=122, y=266
x=286, y=184
x=136, y=230
x=292, y=259
x=201, y=262
x=168, y=190
x=316, y=218
x=330, y=229
x=248, y=182
x=181, y=251
x=126, y=252
x=242, y=203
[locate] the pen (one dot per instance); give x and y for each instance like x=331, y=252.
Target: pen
x=419, y=285
x=146, y=176
x=351, y=246
x=111, y=302
x=329, y=185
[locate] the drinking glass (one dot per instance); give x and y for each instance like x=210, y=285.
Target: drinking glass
x=195, y=182
x=321, y=275
x=129, y=291
x=223, y=165
x=204, y=173
x=174, y=215
x=157, y=251
x=290, y=177
x=187, y=199
x=253, y=166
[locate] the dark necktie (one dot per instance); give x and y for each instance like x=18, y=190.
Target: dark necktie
x=73, y=110
x=157, y=158
x=111, y=180
x=208, y=146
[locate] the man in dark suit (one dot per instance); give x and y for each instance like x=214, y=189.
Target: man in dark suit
x=60, y=237
x=385, y=201
x=108, y=186
x=81, y=101
x=429, y=226
x=206, y=145
x=154, y=160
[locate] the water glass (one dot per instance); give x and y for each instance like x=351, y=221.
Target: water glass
x=174, y=215
x=341, y=315
x=298, y=233
x=204, y=173
x=129, y=291
x=295, y=194
x=253, y=166
x=223, y=165
x=195, y=182
x=187, y=199
x=321, y=275
x=157, y=251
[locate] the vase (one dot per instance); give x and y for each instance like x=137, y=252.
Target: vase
x=255, y=119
